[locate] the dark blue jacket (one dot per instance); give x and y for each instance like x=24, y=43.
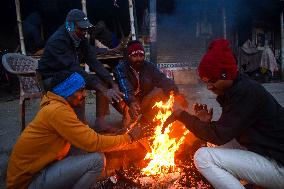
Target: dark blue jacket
x=137, y=85
x=250, y=114
x=60, y=55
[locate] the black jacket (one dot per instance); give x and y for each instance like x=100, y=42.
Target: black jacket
x=250, y=114
x=137, y=85
x=60, y=55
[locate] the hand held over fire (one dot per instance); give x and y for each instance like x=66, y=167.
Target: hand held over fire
x=140, y=131
x=114, y=95
x=202, y=112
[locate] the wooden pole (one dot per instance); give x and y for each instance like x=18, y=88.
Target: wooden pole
x=132, y=21
x=19, y=21
x=84, y=6
x=84, y=9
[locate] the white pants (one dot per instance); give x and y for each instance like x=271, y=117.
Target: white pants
x=224, y=167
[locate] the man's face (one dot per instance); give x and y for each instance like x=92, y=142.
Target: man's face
x=217, y=86
x=77, y=98
x=80, y=32
x=136, y=61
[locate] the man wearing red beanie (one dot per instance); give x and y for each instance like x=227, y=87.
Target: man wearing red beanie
x=142, y=84
x=249, y=132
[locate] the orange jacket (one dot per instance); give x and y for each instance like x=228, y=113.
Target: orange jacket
x=48, y=137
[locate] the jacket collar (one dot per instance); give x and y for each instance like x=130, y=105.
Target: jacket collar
x=52, y=97
x=237, y=87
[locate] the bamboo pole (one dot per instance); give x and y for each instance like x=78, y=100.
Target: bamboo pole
x=84, y=9
x=19, y=21
x=132, y=22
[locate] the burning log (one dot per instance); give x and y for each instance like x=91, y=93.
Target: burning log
x=187, y=177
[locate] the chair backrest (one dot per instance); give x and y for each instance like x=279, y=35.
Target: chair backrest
x=25, y=68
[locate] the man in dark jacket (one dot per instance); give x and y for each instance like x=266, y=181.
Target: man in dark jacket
x=64, y=52
x=250, y=129
x=141, y=83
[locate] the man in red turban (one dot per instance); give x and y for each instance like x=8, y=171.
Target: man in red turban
x=249, y=132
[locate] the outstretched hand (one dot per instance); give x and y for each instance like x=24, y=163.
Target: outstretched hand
x=172, y=118
x=140, y=131
x=134, y=110
x=202, y=112
x=113, y=95
x=179, y=106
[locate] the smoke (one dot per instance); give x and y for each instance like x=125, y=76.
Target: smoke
x=184, y=33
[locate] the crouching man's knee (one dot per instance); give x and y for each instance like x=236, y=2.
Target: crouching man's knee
x=202, y=158
x=99, y=162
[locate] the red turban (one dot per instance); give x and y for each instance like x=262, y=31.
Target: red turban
x=219, y=62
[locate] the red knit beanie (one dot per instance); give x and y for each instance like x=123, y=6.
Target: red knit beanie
x=219, y=62
x=135, y=48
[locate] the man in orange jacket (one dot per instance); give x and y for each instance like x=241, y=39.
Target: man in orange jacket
x=40, y=158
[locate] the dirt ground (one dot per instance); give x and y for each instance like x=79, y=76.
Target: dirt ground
x=9, y=114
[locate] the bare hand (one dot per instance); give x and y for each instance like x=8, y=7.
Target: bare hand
x=140, y=131
x=172, y=118
x=134, y=110
x=179, y=106
x=201, y=111
x=113, y=95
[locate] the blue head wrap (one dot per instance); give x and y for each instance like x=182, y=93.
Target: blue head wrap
x=69, y=86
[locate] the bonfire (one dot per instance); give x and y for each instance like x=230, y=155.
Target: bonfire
x=162, y=170
x=162, y=155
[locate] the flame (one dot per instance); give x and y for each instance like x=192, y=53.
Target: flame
x=162, y=155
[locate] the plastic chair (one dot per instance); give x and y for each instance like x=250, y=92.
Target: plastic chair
x=25, y=68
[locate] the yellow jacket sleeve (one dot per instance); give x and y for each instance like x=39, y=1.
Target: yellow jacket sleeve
x=66, y=123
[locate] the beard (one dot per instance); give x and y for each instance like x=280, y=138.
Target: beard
x=137, y=65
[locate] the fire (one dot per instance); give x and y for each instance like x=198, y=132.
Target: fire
x=162, y=155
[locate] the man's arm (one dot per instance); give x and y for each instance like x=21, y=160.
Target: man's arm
x=124, y=85
x=96, y=65
x=231, y=124
x=67, y=60
x=67, y=125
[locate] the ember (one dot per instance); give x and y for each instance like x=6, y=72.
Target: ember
x=131, y=178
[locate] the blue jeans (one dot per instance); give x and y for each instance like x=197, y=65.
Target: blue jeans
x=76, y=172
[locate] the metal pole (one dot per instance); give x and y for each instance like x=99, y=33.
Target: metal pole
x=132, y=23
x=282, y=44
x=224, y=21
x=153, y=31
x=19, y=21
